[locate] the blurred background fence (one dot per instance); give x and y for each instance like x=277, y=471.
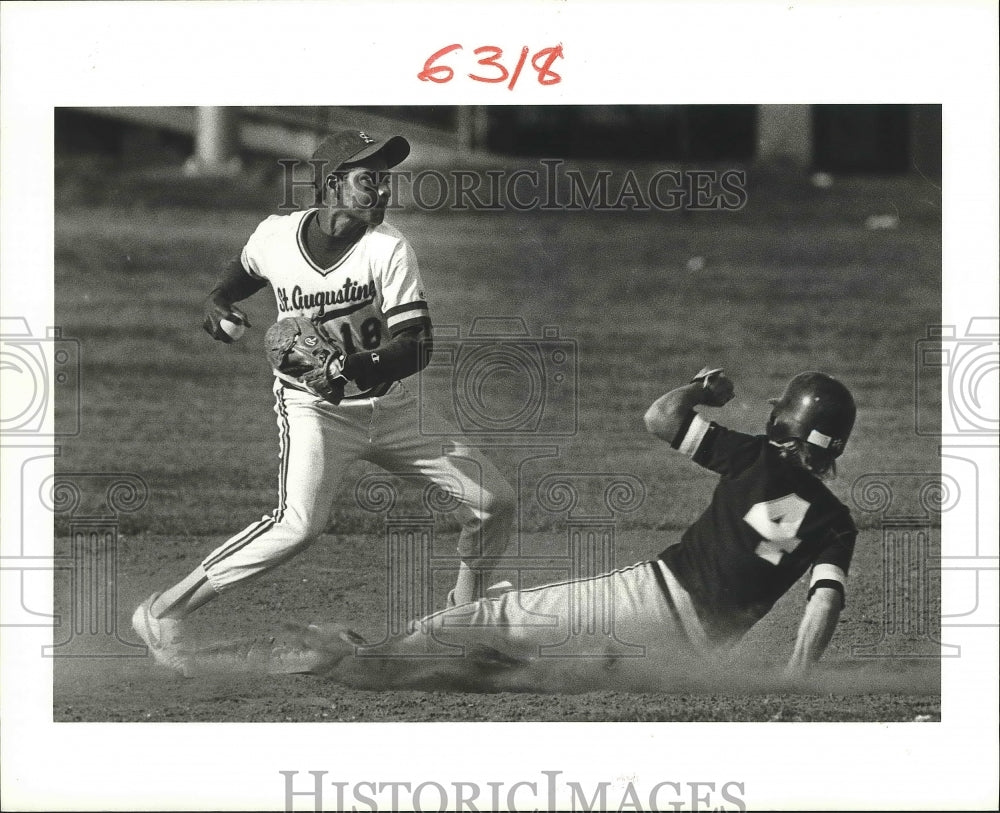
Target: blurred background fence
x=841, y=138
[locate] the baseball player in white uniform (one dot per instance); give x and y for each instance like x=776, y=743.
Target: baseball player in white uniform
x=355, y=276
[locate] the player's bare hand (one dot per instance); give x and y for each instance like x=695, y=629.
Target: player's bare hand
x=215, y=312
x=717, y=387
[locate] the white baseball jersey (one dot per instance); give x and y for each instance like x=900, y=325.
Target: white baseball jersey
x=374, y=289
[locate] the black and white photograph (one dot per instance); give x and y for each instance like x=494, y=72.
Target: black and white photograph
x=494, y=423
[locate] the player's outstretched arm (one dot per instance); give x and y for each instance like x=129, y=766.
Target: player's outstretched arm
x=234, y=285
x=668, y=413
x=815, y=631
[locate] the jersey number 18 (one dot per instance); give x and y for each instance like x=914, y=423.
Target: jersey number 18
x=371, y=335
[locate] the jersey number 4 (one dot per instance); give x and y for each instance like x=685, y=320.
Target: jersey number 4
x=777, y=521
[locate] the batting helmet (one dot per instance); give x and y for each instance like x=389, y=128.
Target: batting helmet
x=815, y=408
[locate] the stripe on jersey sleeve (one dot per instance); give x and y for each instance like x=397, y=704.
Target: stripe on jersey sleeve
x=827, y=575
x=827, y=572
x=401, y=326
x=694, y=435
x=410, y=312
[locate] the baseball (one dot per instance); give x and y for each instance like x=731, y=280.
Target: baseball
x=696, y=264
x=234, y=327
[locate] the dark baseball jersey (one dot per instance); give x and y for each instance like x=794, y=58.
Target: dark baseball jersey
x=769, y=521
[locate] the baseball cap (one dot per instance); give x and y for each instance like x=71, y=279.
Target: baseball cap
x=353, y=146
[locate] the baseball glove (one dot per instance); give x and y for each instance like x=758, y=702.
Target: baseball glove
x=301, y=353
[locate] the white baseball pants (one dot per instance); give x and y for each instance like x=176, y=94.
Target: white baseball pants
x=318, y=443
x=638, y=610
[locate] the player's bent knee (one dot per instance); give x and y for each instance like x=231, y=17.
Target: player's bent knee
x=302, y=523
x=295, y=545
x=297, y=533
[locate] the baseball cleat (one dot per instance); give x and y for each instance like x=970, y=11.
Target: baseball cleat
x=318, y=648
x=498, y=589
x=329, y=634
x=161, y=636
x=493, y=591
x=489, y=658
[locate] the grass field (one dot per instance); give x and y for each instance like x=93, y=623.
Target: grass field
x=793, y=281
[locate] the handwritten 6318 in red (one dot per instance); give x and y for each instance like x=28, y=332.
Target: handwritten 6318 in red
x=495, y=71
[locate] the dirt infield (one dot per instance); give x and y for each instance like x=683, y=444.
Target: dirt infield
x=749, y=689
x=794, y=281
